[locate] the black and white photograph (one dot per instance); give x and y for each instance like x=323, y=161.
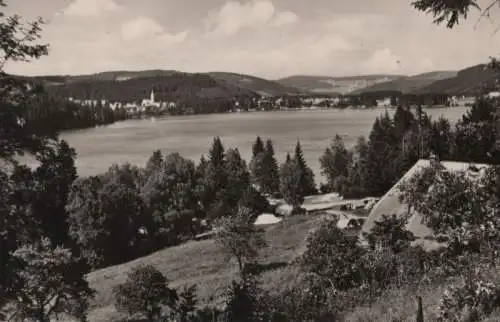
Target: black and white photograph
x=249, y=160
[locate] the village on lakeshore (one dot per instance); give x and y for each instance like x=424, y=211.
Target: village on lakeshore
x=151, y=106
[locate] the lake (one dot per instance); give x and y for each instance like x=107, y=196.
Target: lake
x=134, y=140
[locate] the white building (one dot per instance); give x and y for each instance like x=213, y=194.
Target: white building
x=386, y=102
x=151, y=101
x=462, y=100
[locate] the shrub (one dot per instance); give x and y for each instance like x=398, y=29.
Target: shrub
x=145, y=292
x=334, y=255
x=470, y=302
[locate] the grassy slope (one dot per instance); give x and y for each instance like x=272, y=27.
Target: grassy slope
x=202, y=263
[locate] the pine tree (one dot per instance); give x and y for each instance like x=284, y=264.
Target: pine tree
x=381, y=153
x=270, y=180
x=238, y=177
x=307, y=175
x=216, y=153
x=258, y=147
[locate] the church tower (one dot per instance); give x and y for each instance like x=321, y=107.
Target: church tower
x=152, y=97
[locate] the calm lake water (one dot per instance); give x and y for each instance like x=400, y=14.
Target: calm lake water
x=134, y=140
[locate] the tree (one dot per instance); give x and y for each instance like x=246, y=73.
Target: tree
x=186, y=304
x=258, y=147
x=245, y=301
x=334, y=256
x=476, y=134
x=154, y=163
x=291, y=183
x=238, y=177
x=335, y=161
x=358, y=171
x=381, y=170
x=104, y=218
x=19, y=43
x=46, y=284
x=239, y=238
x=449, y=12
x=441, y=142
x=390, y=232
x=53, y=179
x=306, y=174
x=403, y=120
x=271, y=180
x=170, y=197
x=145, y=292
x=213, y=186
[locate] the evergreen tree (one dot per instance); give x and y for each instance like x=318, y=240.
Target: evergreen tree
x=307, y=175
x=381, y=174
x=215, y=183
x=403, y=120
x=270, y=181
x=216, y=154
x=238, y=177
x=258, y=147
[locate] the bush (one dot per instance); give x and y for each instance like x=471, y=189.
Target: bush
x=473, y=301
x=334, y=255
x=145, y=292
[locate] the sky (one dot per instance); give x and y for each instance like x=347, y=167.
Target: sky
x=265, y=38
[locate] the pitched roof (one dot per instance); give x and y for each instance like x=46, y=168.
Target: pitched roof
x=389, y=204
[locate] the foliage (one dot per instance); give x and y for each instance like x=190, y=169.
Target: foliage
x=186, y=304
x=290, y=183
x=239, y=237
x=245, y=301
x=145, y=292
x=306, y=180
x=334, y=255
x=271, y=180
x=390, y=232
x=47, y=285
x=472, y=301
x=335, y=161
x=264, y=167
x=104, y=217
x=449, y=12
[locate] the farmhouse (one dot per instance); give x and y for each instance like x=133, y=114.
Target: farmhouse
x=390, y=204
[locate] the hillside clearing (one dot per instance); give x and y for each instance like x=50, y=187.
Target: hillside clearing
x=203, y=264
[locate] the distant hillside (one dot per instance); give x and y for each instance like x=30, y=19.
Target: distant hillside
x=105, y=76
x=342, y=85
x=469, y=81
x=259, y=85
x=168, y=85
x=173, y=87
x=408, y=84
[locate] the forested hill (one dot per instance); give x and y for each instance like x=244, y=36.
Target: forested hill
x=178, y=86
x=129, y=86
x=468, y=81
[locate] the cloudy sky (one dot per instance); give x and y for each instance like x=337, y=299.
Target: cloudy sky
x=267, y=38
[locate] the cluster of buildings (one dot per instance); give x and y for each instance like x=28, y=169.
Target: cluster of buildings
x=151, y=105
x=130, y=108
